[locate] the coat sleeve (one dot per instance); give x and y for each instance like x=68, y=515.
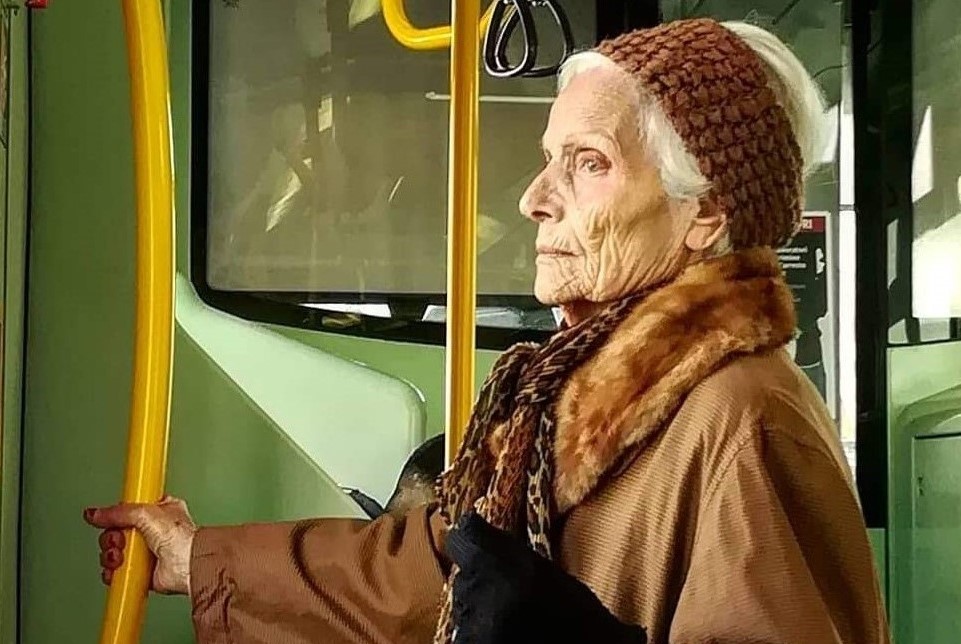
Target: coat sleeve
x=781, y=554
x=336, y=581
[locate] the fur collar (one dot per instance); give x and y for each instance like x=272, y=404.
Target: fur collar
x=716, y=310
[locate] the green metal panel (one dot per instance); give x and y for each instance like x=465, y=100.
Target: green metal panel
x=357, y=424
x=230, y=460
x=422, y=366
x=80, y=312
x=924, y=388
x=235, y=466
x=936, y=556
x=14, y=233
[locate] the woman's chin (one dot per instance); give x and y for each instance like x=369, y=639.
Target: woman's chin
x=556, y=288
x=546, y=294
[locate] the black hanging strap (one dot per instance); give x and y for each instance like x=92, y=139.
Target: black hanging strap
x=507, y=16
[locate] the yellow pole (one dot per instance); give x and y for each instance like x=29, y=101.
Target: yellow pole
x=153, y=341
x=412, y=37
x=462, y=218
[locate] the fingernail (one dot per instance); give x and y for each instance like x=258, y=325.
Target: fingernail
x=88, y=513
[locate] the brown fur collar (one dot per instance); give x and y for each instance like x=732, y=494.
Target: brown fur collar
x=678, y=336
x=715, y=311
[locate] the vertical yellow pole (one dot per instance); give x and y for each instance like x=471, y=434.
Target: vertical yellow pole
x=462, y=218
x=153, y=340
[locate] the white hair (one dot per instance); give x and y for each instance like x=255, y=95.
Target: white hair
x=795, y=90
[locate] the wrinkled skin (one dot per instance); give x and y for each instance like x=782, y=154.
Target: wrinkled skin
x=606, y=227
x=167, y=530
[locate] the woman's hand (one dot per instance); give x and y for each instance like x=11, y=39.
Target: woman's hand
x=167, y=530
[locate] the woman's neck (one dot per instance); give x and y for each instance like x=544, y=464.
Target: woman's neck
x=576, y=312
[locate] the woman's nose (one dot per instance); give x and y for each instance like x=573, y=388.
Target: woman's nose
x=539, y=202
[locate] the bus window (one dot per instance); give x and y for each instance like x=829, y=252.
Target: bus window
x=326, y=174
x=936, y=166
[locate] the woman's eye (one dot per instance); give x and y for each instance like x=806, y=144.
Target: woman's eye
x=592, y=162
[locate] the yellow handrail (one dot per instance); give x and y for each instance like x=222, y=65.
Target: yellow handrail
x=462, y=219
x=412, y=37
x=153, y=341
x=464, y=40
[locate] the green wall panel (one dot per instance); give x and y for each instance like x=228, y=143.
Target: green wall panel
x=421, y=366
x=924, y=388
x=936, y=552
x=79, y=312
x=14, y=254
x=356, y=423
x=234, y=466
x=230, y=460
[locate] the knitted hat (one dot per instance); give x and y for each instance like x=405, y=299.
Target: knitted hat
x=714, y=90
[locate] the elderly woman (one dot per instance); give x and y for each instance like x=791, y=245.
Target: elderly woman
x=660, y=464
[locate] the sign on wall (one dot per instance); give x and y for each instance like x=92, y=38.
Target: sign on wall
x=808, y=267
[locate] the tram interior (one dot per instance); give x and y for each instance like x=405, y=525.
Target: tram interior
x=310, y=155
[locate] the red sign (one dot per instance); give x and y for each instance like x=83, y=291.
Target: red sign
x=812, y=224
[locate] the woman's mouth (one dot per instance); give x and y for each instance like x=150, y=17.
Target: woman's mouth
x=549, y=251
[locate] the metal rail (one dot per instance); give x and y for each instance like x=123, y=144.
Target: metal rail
x=153, y=341
x=427, y=39
x=462, y=219
x=464, y=38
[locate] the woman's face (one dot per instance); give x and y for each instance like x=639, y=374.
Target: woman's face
x=606, y=228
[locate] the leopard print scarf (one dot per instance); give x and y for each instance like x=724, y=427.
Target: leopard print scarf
x=514, y=490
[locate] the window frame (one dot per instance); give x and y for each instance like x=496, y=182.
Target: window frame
x=883, y=74
x=871, y=290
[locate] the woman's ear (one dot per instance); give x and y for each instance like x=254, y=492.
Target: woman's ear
x=707, y=228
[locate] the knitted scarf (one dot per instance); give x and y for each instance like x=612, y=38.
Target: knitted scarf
x=516, y=492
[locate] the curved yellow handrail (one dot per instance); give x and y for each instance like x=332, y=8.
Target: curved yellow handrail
x=153, y=342
x=412, y=37
x=462, y=219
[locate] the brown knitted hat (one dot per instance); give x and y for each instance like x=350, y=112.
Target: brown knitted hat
x=714, y=90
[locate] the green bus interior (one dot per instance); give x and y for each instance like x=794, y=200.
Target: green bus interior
x=311, y=193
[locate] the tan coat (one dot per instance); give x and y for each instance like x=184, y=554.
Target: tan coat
x=707, y=504
x=726, y=529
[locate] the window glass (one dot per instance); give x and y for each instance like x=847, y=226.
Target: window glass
x=936, y=165
x=328, y=146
